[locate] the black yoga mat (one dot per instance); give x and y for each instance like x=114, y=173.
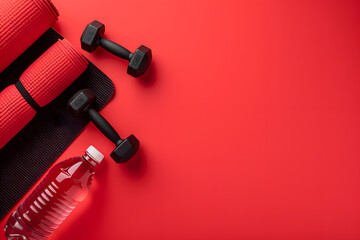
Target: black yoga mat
x=32, y=151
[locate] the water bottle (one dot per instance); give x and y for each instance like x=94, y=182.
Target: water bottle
x=66, y=184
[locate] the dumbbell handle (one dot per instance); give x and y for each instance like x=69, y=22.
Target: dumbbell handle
x=104, y=126
x=116, y=49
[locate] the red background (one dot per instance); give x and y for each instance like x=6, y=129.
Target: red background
x=248, y=119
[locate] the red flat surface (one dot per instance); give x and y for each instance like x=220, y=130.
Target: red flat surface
x=249, y=121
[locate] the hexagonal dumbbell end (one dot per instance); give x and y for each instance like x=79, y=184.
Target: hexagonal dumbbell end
x=91, y=36
x=125, y=149
x=140, y=61
x=80, y=102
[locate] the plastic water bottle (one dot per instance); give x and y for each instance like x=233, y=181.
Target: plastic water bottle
x=66, y=185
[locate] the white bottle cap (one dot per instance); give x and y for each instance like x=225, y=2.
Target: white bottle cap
x=94, y=154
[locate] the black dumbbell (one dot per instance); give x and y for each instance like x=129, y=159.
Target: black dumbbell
x=81, y=103
x=92, y=37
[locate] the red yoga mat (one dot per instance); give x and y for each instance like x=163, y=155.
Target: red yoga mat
x=44, y=80
x=22, y=22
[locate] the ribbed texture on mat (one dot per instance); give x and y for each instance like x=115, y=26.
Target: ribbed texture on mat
x=53, y=72
x=44, y=80
x=22, y=22
x=15, y=113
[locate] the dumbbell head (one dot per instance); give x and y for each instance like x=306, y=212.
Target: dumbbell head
x=80, y=102
x=90, y=38
x=125, y=149
x=140, y=61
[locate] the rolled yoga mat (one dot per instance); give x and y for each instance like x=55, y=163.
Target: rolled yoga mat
x=41, y=83
x=22, y=22
x=28, y=155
